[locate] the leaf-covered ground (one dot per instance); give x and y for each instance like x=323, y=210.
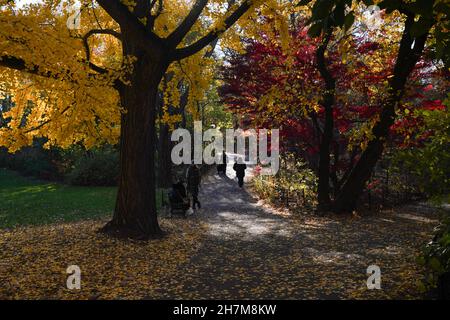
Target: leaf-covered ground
x=253, y=251
x=236, y=247
x=33, y=261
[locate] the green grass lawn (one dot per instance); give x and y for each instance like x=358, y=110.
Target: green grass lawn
x=25, y=201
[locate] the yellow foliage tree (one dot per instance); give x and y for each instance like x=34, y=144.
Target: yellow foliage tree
x=97, y=81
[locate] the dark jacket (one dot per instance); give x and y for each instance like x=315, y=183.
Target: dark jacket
x=240, y=169
x=193, y=179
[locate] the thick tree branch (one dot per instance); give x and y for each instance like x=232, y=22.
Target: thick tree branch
x=19, y=64
x=212, y=35
x=327, y=134
x=185, y=26
x=142, y=8
x=151, y=18
x=128, y=21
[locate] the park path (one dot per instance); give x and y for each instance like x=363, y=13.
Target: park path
x=251, y=251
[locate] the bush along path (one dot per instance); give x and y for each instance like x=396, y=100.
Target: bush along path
x=251, y=251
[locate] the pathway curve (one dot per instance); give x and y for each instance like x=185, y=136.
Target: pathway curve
x=251, y=251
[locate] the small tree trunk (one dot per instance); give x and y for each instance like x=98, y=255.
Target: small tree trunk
x=327, y=134
x=135, y=213
x=409, y=53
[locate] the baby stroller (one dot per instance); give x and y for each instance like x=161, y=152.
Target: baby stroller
x=178, y=200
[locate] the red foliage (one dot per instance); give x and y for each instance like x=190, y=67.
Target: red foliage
x=248, y=77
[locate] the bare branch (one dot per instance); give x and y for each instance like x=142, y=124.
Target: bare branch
x=39, y=126
x=19, y=64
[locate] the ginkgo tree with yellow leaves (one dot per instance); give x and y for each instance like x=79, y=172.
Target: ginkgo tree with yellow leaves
x=100, y=83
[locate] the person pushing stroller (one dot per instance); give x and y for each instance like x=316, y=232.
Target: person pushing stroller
x=193, y=184
x=178, y=198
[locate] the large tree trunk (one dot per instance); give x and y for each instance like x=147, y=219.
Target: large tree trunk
x=135, y=213
x=409, y=53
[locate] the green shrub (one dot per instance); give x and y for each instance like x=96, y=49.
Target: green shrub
x=294, y=181
x=436, y=259
x=32, y=161
x=98, y=167
x=430, y=162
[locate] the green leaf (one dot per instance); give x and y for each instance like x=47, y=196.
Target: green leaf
x=339, y=15
x=435, y=264
x=349, y=20
x=315, y=30
x=421, y=260
x=321, y=9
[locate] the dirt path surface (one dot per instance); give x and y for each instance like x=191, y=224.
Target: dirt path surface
x=250, y=251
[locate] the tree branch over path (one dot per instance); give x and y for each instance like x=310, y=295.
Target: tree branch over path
x=186, y=25
x=212, y=35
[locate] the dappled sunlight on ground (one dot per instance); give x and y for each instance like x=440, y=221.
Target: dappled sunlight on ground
x=235, y=247
x=33, y=261
x=255, y=251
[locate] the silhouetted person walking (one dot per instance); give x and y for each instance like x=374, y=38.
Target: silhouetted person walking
x=193, y=184
x=240, y=167
x=223, y=166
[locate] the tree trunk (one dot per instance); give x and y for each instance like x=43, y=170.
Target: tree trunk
x=135, y=214
x=327, y=133
x=409, y=53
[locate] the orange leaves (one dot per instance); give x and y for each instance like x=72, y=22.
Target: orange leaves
x=34, y=261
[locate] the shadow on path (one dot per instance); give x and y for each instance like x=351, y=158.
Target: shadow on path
x=250, y=251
